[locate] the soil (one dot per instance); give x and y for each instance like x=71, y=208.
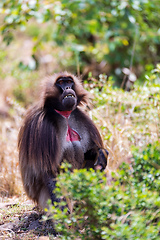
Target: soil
x=24, y=221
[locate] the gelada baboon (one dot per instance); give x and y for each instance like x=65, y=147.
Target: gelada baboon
x=55, y=129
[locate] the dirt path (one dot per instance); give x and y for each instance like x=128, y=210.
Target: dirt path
x=24, y=221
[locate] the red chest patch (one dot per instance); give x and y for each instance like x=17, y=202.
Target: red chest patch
x=71, y=134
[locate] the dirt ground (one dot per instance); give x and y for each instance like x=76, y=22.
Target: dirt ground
x=24, y=221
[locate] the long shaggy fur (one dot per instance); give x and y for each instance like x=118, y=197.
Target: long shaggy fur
x=41, y=138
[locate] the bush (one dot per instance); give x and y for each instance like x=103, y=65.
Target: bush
x=147, y=166
x=123, y=210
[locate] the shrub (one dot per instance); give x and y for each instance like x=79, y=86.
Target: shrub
x=147, y=166
x=123, y=210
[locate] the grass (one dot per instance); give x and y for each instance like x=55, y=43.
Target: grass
x=10, y=181
x=126, y=119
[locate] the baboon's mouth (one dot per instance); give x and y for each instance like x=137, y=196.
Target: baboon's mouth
x=69, y=95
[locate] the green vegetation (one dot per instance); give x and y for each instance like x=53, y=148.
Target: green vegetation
x=101, y=36
x=129, y=208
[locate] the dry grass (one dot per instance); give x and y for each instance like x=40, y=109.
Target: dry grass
x=126, y=120
x=10, y=181
x=118, y=145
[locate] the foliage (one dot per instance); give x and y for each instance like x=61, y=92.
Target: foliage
x=147, y=166
x=123, y=210
x=115, y=33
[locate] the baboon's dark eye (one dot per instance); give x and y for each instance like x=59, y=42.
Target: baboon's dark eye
x=69, y=81
x=60, y=82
